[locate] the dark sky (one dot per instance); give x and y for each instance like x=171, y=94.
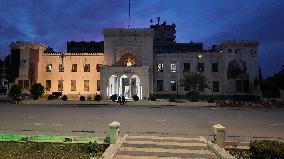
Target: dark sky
x=209, y=21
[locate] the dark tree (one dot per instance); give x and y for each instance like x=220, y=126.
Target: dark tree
x=37, y=90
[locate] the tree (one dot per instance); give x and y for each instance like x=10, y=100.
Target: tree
x=194, y=81
x=37, y=90
x=15, y=91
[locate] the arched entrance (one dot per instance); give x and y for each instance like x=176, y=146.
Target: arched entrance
x=125, y=85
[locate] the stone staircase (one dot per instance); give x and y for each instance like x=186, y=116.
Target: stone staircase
x=155, y=147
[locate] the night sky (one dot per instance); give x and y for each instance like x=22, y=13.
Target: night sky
x=209, y=21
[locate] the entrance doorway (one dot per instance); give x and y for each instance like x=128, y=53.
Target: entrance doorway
x=125, y=86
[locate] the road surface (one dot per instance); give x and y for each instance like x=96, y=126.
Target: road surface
x=245, y=123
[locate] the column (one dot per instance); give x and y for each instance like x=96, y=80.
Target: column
x=130, y=86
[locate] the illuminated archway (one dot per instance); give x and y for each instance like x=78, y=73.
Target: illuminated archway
x=128, y=60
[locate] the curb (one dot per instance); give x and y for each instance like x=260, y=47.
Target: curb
x=220, y=152
x=111, y=151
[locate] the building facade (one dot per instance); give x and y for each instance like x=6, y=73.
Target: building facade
x=143, y=62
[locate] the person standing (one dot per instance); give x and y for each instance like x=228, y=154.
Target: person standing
x=123, y=100
x=119, y=100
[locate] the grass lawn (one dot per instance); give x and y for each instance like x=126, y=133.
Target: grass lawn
x=37, y=150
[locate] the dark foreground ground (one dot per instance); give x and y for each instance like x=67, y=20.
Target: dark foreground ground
x=240, y=123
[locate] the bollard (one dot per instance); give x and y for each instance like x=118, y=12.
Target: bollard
x=219, y=135
x=113, y=131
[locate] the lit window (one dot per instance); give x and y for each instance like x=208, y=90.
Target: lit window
x=86, y=85
x=74, y=68
x=160, y=67
x=173, y=68
x=87, y=68
x=73, y=85
x=48, y=85
x=173, y=85
x=26, y=84
x=48, y=67
x=60, y=85
x=98, y=68
x=98, y=85
x=61, y=68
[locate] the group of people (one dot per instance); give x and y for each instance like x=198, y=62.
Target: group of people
x=121, y=100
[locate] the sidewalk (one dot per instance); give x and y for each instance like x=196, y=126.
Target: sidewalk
x=183, y=103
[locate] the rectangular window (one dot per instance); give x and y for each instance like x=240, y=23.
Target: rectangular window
x=160, y=85
x=214, y=67
x=26, y=84
x=86, y=85
x=160, y=67
x=230, y=51
x=73, y=85
x=60, y=85
x=48, y=85
x=173, y=67
x=98, y=85
x=61, y=68
x=87, y=68
x=246, y=86
x=173, y=85
x=186, y=67
x=74, y=68
x=238, y=51
x=48, y=67
x=98, y=68
x=215, y=86
x=239, y=85
x=21, y=84
x=200, y=67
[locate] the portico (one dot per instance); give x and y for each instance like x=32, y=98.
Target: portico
x=125, y=81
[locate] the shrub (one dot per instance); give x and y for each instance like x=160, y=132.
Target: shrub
x=56, y=94
x=135, y=98
x=267, y=149
x=89, y=98
x=50, y=97
x=64, y=98
x=98, y=97
x=172, y=99
x=152, y=98
x=210, y=100
x=113, y=97
x=193, y=96
x=15, y=91
x=82, y=98
x=37, y=90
